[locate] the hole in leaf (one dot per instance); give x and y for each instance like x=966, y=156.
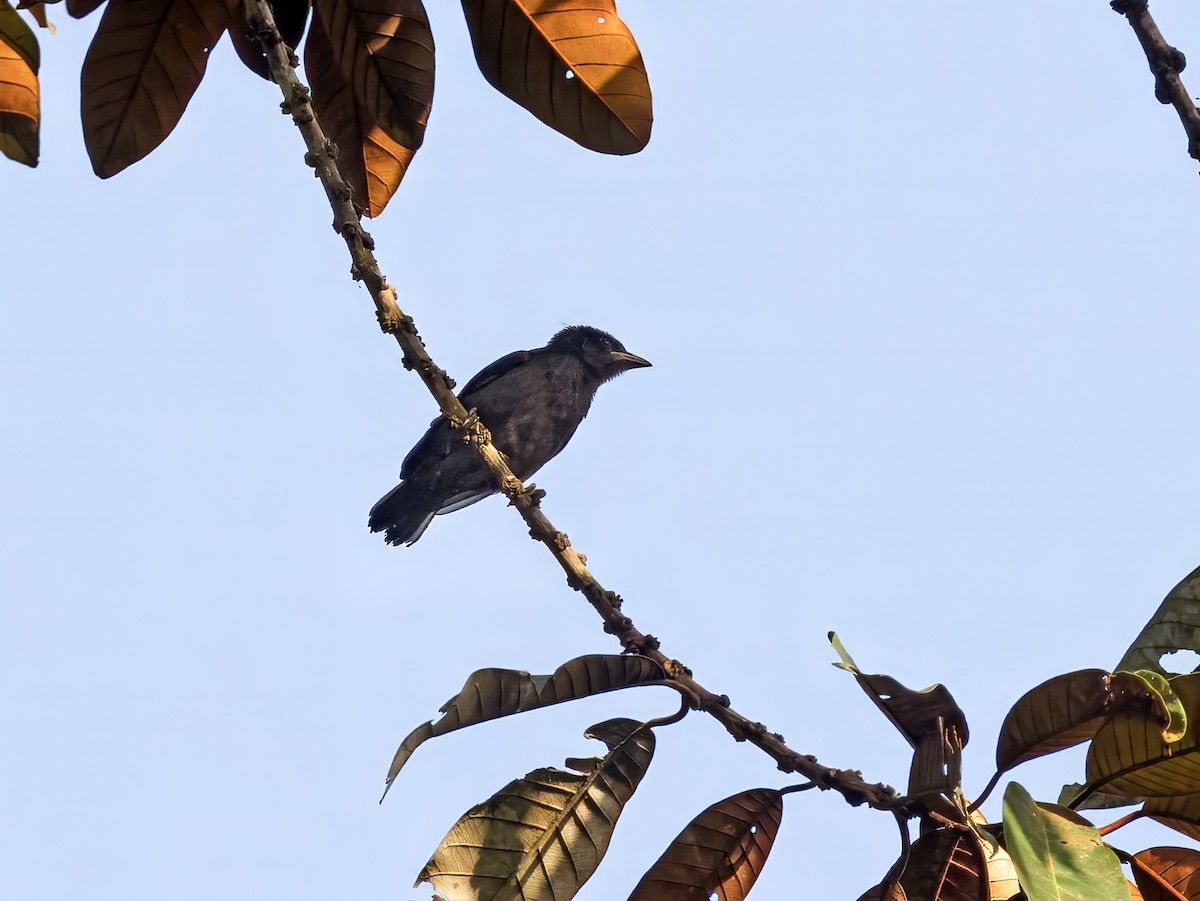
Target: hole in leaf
x=753, y=830
x=570, y=74
x=714, y=897
x=1182, y=661
x=601, y=20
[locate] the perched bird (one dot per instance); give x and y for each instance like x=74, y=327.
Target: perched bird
x=531, y=400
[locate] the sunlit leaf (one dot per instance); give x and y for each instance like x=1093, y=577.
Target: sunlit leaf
x=385, y=51
x=1058, y=854
x=371, y=162
x=540, y=838
x=1128, y=755
x=572, y=63
x=1167, y=874
x=493, y=693
x=1061, y=712
x=719, y=854
x=1174, y=626
x=19, y=94
x=290, y=18
x=1181, y=813
x=143, y=65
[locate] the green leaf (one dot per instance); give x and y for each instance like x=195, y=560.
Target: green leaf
x=1059, y=856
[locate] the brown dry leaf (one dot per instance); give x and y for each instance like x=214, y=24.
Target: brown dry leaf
x=1129, y=756
x=142, y=67
x=385, y=51
x=290, y=17
x=371, y=162
x=1167, y=874
x=1181, y=813
x=77, y=9
x=543, y=836
x=572, y=63
x=718, y=854
x=492, y=693
x=19, y=95
x=1062, y=712
x=1174, y=626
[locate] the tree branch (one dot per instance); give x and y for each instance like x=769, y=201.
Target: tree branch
x=321, y=156
x=1166, y=63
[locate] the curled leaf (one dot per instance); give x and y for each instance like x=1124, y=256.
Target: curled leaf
x=572, y=63
x=543, y=836
x=493, y=693
x=1129, y=755
x=719, y=854
x=929, y=719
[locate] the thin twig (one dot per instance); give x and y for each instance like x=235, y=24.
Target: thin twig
x=321, y=156
x=1166, y=63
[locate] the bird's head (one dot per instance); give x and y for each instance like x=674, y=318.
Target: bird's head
x=601, y=354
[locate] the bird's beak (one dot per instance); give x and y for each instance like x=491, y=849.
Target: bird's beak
x=627, y=360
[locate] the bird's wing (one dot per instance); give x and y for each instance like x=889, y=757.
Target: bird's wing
x=493, y=371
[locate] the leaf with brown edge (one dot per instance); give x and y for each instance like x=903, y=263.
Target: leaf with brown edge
x=543, y=836
x=493, y=693
x=385, y=51
x=1174, y=626
x=77, y=9
x=1062, y=712
x=572, y=63
x=1129, y=756
x=1167, y=874
x=1181, y=813
x=20, y=102
x=290, y=18
x=145, y=62
x=718, y=854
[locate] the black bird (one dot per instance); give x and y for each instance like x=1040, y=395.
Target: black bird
x=531, y=400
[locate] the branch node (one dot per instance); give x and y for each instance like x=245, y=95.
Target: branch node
x=673, y=668
x=390, y=323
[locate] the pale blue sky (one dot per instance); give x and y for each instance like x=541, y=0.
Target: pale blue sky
x=918, y=288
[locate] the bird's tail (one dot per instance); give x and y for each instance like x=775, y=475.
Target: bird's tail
x=402, y=515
